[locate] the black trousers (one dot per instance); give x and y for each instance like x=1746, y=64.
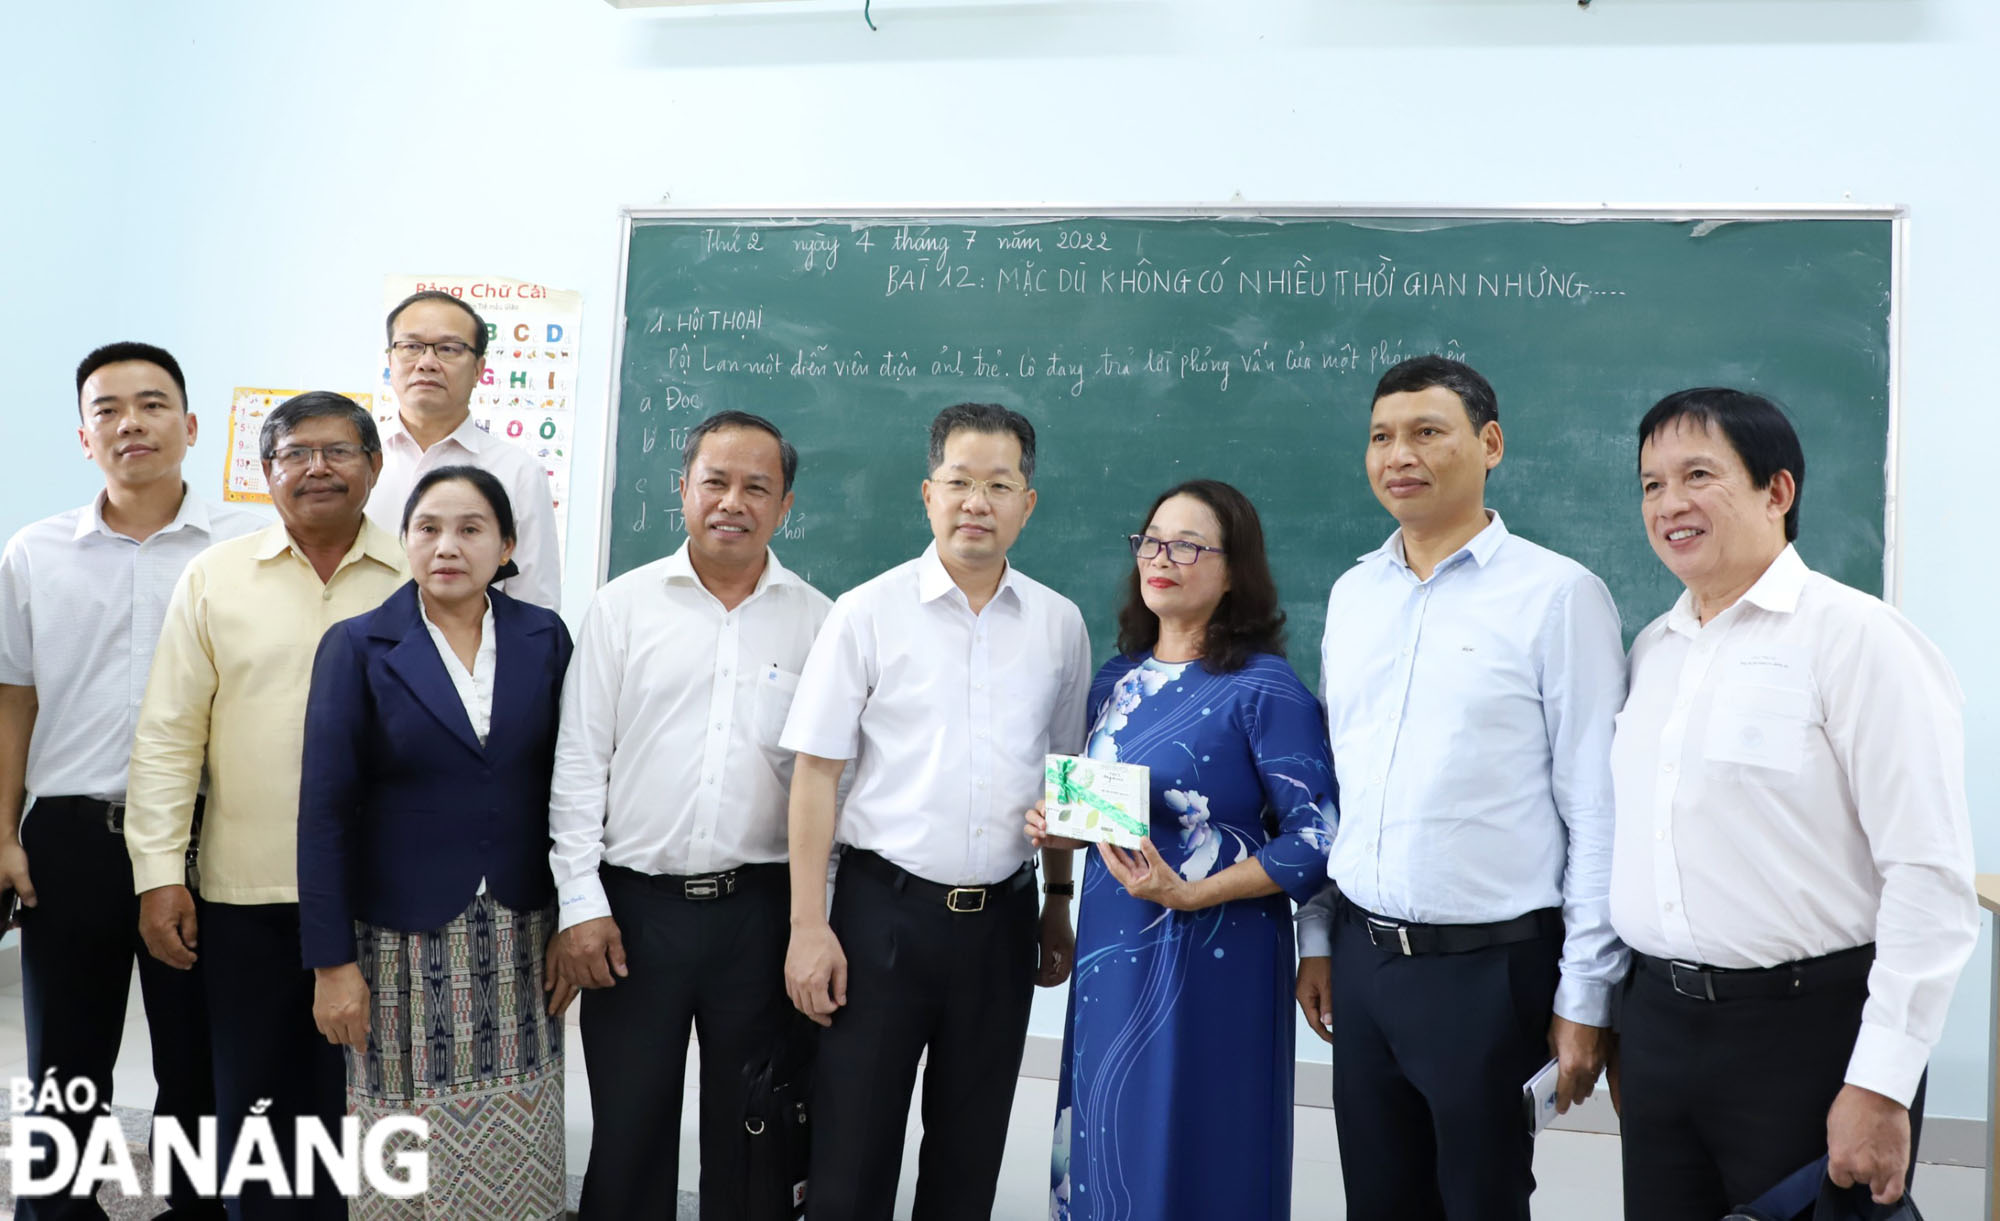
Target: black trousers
x=718, y=965
x=266, y=1047
x=1429, y=1056
x=77, y=948
x=921, y=977
x=1722, y=1099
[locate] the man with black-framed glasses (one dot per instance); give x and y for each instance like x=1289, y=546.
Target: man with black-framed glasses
x=437, y=358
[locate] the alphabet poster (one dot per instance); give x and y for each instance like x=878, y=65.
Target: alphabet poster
x=528, y=393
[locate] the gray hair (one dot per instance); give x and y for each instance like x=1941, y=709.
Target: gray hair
x=312, y=405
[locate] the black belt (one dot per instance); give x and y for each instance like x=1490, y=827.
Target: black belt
x=112, y=812
x=961, y=899
x=701, y=887
x=1407, y=938
x=1700, y=982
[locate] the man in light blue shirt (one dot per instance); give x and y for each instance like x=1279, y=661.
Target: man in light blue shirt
x=1471, y=678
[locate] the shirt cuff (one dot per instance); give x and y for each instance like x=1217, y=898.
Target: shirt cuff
x=580, y=899
x=1587, y=1002
x=1888, y=1062
x=1314, y=938
x=156, y=869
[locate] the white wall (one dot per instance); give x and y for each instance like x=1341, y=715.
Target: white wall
x=232, y=180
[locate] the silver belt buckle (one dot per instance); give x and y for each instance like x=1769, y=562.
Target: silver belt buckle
x=701, y=888
x=975, y=902
x=114, y=817
x=1402, y=942
x=1674, y=969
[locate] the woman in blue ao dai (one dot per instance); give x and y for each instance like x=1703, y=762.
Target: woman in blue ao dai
x=1176, y=1094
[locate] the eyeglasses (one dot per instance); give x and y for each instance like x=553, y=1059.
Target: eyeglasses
x=410, y=351
x=299, y=457
x=1179, y=551
x=999, y=491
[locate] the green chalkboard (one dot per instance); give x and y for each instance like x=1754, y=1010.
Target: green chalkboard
x=1149, y=349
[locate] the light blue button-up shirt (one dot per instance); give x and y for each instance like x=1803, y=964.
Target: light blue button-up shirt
x=1471, y=718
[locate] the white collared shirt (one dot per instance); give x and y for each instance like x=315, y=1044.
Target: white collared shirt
x=947, y=715
x=80, y=612
x=536, y=548
x=474, y=686
x=1791, y=782
x=668, y=760
x=1470, y=716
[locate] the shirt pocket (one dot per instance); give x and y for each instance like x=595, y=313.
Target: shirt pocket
x=775, y=688
x=1759, y=727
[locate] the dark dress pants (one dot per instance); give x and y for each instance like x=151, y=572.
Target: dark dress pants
x=921, y=978
x=266, y=1047
x=1723, y=1099
x=77, y=948
x=718, y=965
x=1430, y=1052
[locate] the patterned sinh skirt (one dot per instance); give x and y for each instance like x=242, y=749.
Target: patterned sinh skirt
x=459, y=1036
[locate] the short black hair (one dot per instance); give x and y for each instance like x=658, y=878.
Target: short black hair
x=1757, y=429
x=485, y=482
x=432, y=294
x=1249, y=619
x=788, y=454
x=983, y=417
x=1423, y=372
x=114, y=353
x=312, y=405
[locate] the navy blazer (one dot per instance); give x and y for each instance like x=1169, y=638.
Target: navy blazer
x=401, y=810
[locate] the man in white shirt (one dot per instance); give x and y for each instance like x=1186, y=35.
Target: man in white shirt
x=82, y=596
x=946, y=680
x=668, y=814
x=1471, y=678
x=1793, y=867
x=437, y=356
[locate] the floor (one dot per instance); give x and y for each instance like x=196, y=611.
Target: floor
x=1578, y=1172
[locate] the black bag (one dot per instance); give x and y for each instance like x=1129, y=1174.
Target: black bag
x=777, y=1131
x=1808, y=1195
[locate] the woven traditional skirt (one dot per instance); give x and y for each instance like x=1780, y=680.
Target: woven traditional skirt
x=459, y=1036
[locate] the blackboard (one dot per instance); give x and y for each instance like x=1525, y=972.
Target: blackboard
x=1154, y=347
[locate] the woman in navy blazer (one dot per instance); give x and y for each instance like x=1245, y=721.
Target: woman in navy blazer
x=425, y=901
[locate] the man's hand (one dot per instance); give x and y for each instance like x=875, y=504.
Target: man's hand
x=816, y=972
x=1037, y=831
x=14, y=871
x=1868, y=1141
x=1315, y=993
x=590, y=954
x=1058, y=943
x=340, y=1005
x=167, y=923
x=561, y=991
x=1579, y=1052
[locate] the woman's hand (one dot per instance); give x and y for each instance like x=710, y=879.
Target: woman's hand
x=1145, y=874
x=1038, y=832
x=340, y=1005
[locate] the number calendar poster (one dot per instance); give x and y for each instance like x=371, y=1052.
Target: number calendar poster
x=244, y=480
x=527, y=395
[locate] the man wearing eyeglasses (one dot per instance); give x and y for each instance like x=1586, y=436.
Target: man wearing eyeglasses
x=437, y=355
x=227, y=696
x=1471, y=678
x=946, y=680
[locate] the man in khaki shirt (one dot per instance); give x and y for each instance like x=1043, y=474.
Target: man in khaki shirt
x=227, y=694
